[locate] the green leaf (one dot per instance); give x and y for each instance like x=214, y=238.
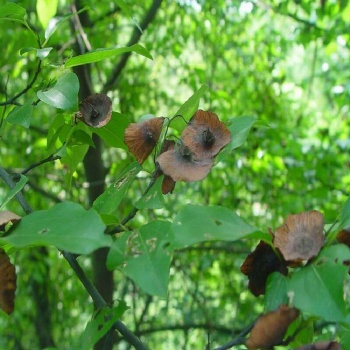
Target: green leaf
x=12, y=11
x=149, y=269
x=46, y=9
x=318, y=289
x=154, y=198
x=113, y=133
x=345, y=216
x=239, y=130
x=117, y=253
x=109, y=200
x=64, y=94
x=337, y=253
x=100, y=325
x=18, y=187
x=188, y=109
x=101, y=54
x=40, y=53
x=21, y=115
x=276, y=291
x=66, y=225
x=194, y=224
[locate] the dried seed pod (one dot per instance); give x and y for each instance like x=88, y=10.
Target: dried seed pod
x=269, y=329
x=178, y=163
x=141, y=138
x=259, y=265
x=301, y=237
x=205, y=135
x=6, y=217
x=7, y=283
x=95, y=110
x=324, y=345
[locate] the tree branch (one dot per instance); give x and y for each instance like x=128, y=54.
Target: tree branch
x=12, y=101
x=100, y=302
x=50, y=158
x=135, y=37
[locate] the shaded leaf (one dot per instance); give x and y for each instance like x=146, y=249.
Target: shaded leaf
x=312, y=285
x=18, y=187
x=21, y=115
x=153, y=199
x=113, y=133
x=194, y=224
x=240, y=128
x=109, y=200
x=64, y=94
x=67, y=226
x=12, y=11
x=276, y=291
x=149, y=268
x=101, y=54
x=101, y=323
x=117, y=253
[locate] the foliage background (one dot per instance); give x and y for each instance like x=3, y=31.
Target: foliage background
x=285, y=62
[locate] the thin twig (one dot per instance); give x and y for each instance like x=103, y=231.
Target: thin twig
x=50, y=158
x=135, y=37
x=12, y=101
x=240, y=339
x=19, y=196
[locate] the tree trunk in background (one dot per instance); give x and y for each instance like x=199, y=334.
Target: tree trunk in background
x=95, y=176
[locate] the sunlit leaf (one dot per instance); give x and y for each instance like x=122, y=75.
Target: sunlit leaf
x=66, y=225
x=240, y=128
x=194, y=224
x=188, y=109
x=46, y=9
x=64, y=94
x=40, y=53
x=101, y=54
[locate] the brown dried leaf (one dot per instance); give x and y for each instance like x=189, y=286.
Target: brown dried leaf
x=141, y=138
x=269, y=329
x=95, y=110
x=6, y=217
x=344, y=237
x=7, y=283
x=259, y=265
x=324, y=345
x=301, y=237
x=205, y=135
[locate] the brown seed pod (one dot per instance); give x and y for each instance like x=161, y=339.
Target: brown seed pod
x=6, y=217
x=205, y=135
x=141, y=138
x=259, y=265
x=95, y=110
x=269, y=329
x=324, y=345
x=301, y=237
x=7, y=283
x=178, y=163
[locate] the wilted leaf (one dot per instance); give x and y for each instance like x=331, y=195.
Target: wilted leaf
x=6, y=217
